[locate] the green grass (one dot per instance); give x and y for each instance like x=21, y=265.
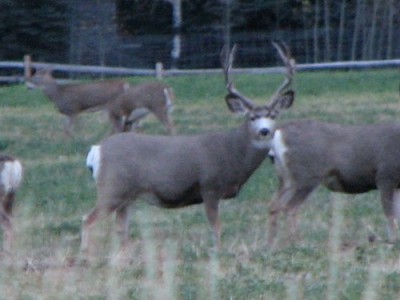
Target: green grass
x=171, y=257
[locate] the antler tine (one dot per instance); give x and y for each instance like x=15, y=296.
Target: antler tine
x=290, y=67
x=286, y=56
x=227, y=62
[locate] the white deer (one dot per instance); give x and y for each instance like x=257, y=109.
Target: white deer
x=179, y=171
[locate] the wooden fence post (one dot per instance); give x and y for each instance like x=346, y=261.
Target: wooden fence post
x=27, y=67
x=159, y=70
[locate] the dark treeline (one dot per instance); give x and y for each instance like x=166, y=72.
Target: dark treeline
x=36, y=27
x=189, y=33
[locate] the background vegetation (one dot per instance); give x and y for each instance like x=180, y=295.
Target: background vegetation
x=135, y=33
x=170, y=257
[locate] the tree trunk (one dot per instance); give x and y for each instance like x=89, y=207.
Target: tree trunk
x=316, y=31
x=227, y=27
x=339, y=54
x=382, y=31
x=327, y=31
x=306, y=37
x=364, y=27
x=356, y=31
x=372, y=32
x=389, y=47
x=176, y=43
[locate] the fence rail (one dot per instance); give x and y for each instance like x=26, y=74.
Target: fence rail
x=26, y=67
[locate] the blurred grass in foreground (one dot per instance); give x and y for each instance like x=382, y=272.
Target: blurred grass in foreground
x=170, y=257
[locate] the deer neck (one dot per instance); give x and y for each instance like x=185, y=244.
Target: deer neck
x=238, y=158
x=250, y=150
x=52, y=90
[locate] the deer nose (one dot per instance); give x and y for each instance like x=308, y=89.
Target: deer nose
x=264, y=131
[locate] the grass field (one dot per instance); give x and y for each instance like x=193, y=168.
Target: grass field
x=171, y=256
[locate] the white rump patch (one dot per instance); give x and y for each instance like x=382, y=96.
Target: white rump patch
x=279, y=148
x=11, y=175
x=93, y=161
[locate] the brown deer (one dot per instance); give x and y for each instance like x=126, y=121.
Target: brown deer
x=10, y=179
x=139, y=100
x=179, y=171
x=347, y=159
x=125, y=104
x=72, y=99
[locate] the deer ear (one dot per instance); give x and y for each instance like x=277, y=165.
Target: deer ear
x=236, y=105
x=285, y=100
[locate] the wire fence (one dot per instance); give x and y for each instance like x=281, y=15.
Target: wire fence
x=201, y=50
x=22, y=70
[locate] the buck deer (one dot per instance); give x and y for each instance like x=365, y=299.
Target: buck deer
x=72, y=99
x=139, y=100
x=347, y=159
x=179, y=171
x=10, y=179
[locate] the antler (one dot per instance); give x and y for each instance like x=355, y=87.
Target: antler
x=227, y=62
x=290, y=67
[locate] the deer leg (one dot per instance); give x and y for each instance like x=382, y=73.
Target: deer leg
x=163, y=116
x=292, y=208
x=5, y=222
x=87, y=222
x=287, y=200
x=134, y=119
x=273, y=217
x=211, y=204
x=277, y=205
x=291, y=216
x=122, y=219
x=388, y=204
x=116, y=122
x=5, y=219
x=169, y=125
x=68, y=125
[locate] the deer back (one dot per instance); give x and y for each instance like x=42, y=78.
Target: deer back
x=88, y=96
x=150, y=95
x=73, y=98
x=353, y=155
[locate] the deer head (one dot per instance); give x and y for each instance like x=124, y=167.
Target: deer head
x=40, y=78
x=260, y=118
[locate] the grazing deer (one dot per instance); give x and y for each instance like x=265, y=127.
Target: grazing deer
x=179, y=171
x=72, y=99
x=125, y=104
x=10, y=179
x=139, y=100
x=347, y=159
